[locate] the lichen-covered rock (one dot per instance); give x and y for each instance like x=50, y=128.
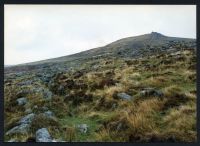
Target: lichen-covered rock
x=47, y=94
x=124, y=96
x=49, y=114
x=42, y=135
x=20, y=129
x=25, y=83
x=22, y=101
x=23, y=125
x=83, y=128
x=151, y=92
x=28, y=111
x=12, y=140
x=27, y=119
x=44, y=108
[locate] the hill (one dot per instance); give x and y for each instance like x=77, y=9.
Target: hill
x=137, y=89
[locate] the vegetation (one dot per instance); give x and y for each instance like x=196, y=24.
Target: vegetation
x=162, y=107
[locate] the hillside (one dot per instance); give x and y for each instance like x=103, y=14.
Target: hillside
x=132, y=47
x=137, y=89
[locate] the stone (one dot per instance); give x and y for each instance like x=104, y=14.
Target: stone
x=25, y=83
x=23, y=125
x=49, y=114
x=44, y=108
x=124, y=96
x=12, y=140
x=27, y=119
x=28, y=111
x=151, y=92
x=47, y=94
x=22, y=101
x=20, y=129
x=35, y=107
x=78, y=74
x=42, y=135
x=83, y=128
x=61, y=90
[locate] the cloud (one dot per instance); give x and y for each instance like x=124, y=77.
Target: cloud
x=37, y=32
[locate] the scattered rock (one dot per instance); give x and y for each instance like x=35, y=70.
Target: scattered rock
x=27, y=119
x=83, y=128
x=12, y=140
x=44, y=108
x=49, y=114
x=22, y=101
x=124, y=96
x=25, y=83
x=42, y=135
x=151, y=92
x=22, y=129
x=78, y=74
x=47, y=94
x=28, y=111
x=35, y=107
x=61, y=90
x=23, y=125
x=114, y=105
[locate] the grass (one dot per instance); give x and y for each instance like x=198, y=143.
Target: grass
x=72, y=122
x=143, y=119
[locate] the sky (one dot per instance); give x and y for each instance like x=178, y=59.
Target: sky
x=38, y=32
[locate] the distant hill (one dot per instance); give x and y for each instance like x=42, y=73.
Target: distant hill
x=131, y=47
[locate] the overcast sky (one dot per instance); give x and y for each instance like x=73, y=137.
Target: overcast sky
x=38, y=32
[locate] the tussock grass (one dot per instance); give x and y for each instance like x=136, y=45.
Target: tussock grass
x=90, y=99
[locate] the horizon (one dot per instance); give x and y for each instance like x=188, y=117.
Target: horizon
x=33, y=33
x=93, y=48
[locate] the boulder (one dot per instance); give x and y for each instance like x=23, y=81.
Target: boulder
x=20, y=129
x=27, y=119
x=25, y=83
x=49, y=114
x=83, y=128
x=42, y=135
x=151, y=92
x=22, y=101
x=23, y=125
x=124, y=96
x=35, y=107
